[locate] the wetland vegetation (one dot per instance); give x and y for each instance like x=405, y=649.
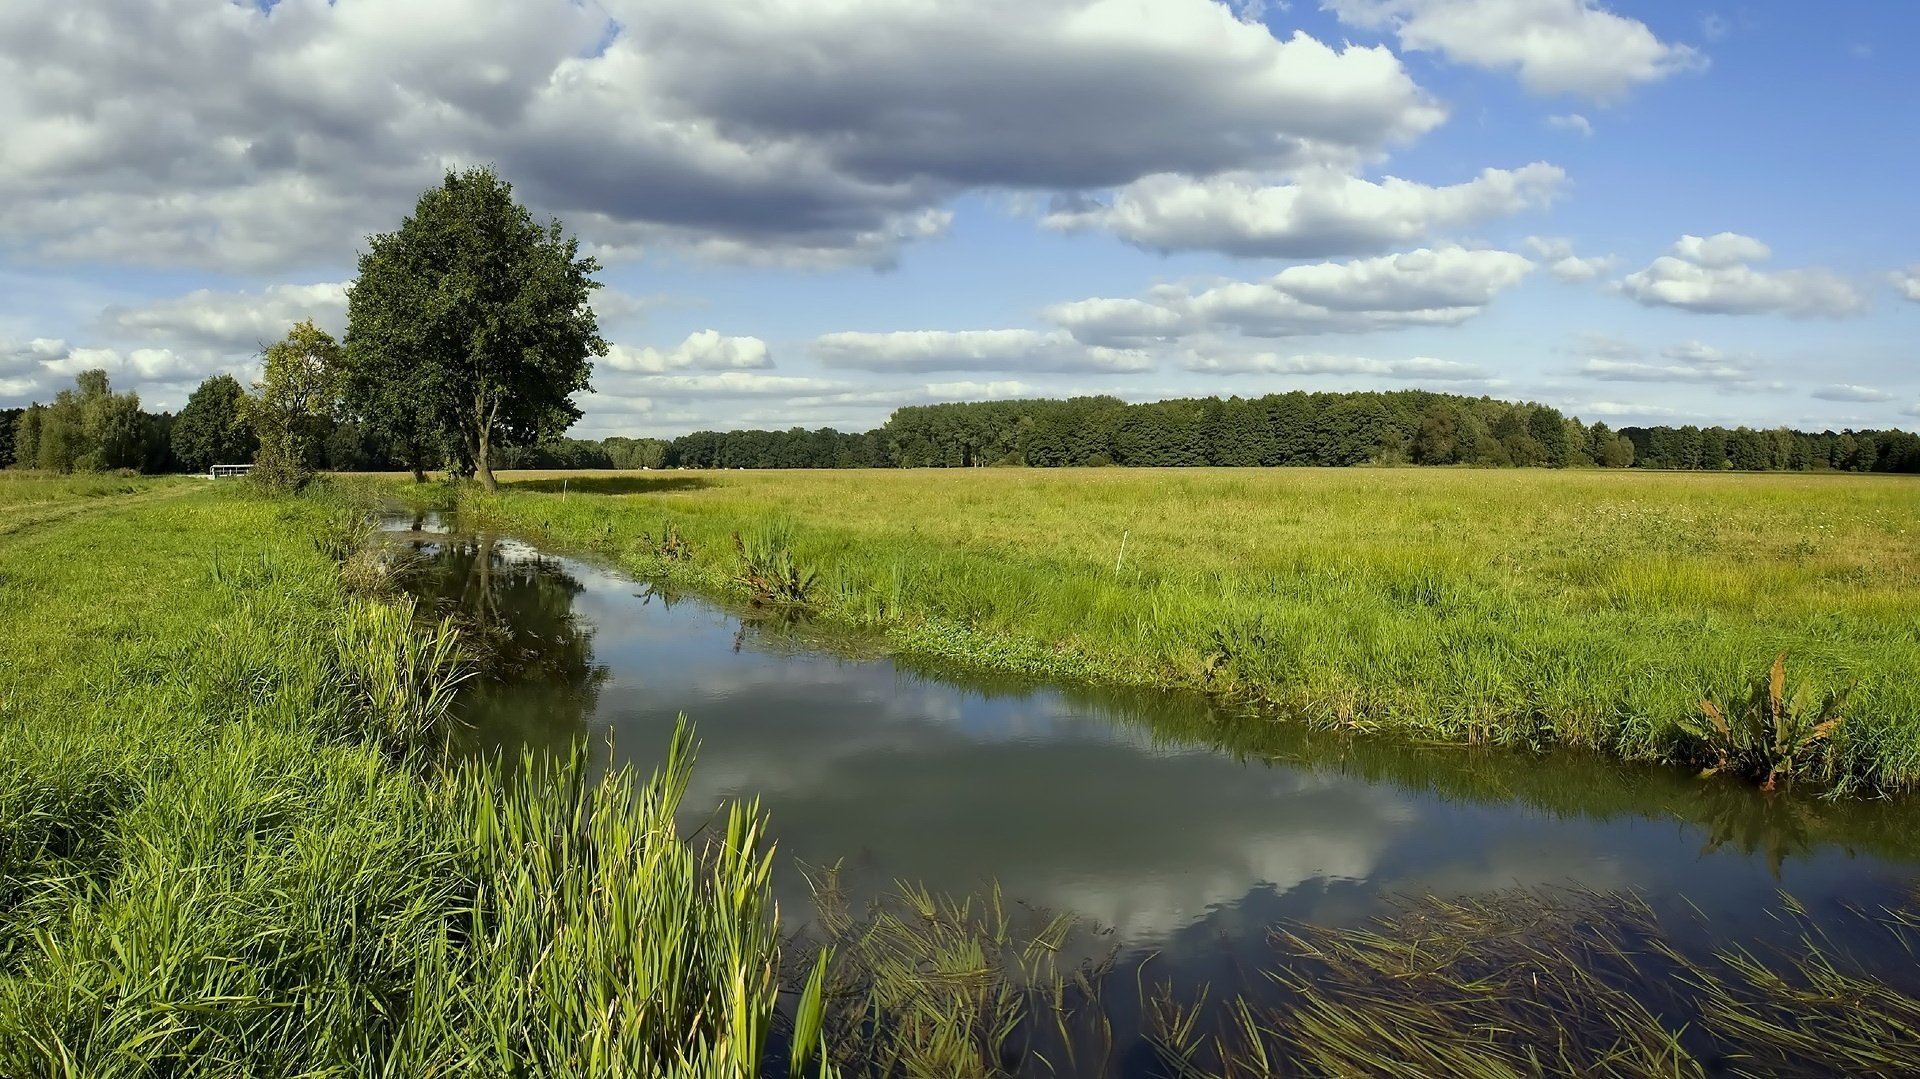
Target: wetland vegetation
x=233, y=845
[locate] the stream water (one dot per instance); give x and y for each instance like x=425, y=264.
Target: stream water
x=1177, y=825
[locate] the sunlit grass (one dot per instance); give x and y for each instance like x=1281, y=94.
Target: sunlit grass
x=227, y=846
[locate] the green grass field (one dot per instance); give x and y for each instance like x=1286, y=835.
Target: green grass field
x=1519, y=607
x=228, y=847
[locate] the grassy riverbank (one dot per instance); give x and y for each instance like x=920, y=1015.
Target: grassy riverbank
x=226, y=847
x=1592, y=609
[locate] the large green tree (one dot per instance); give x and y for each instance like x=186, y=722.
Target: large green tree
x=212, y=429
x=470, y=326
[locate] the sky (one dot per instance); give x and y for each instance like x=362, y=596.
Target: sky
x=811, y=212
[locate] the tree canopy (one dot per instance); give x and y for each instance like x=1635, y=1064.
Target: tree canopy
x=469, y=327
x=295, y=404
x=212, y=428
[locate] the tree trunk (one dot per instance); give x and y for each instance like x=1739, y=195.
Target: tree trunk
x=482, y=460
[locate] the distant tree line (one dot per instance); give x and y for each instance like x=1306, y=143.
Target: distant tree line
x=1298, y=428
x=90, y=427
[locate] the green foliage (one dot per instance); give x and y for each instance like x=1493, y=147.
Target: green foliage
x=469, y=327
x=1769, y=735
x=294, y=405
x=212, y=428
x=88, y=428
x=26, y=437
x=1318, y=429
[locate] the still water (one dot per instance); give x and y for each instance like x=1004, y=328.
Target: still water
x=1177, y=825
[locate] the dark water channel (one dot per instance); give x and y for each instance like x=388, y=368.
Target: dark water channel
x=1181, y=827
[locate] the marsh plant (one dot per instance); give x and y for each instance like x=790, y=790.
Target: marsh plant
x=768, y=569
x=1769, y=734
x=396, y=677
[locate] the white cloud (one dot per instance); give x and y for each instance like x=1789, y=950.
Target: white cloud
x=175, y=132
x=1911, y=410
x=1321, y=213
x=1844, y=392
x=706, y=350
x=1907, y=282
x=1631, y=410
x=1419, y=367
x=1426, y=287
x=722, y=384
x=40, y=368
x=1555, y=46
x=1564, y=265
x=1711, y=275
x=230, y=322
x=973, y=350
x=1722, y=250
x=1572, y=121
x=1688, y=362
x=1120, y=322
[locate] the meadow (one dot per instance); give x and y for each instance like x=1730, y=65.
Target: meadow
x=1525, y=608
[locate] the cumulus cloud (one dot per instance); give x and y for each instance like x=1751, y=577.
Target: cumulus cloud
x=1417, y=368
x=1320, y=214
x=1713, y=275
x=1687, y=362
x=973, y=350
x=1845, y=392
x=1572, y=121
x=230, y=322
x=706, y=350
x=1907, y=282
x=1566, y=266
x=1554, y=46
x=1427, y=287
x=266, y=136
x=37, y=369
x=722, y=384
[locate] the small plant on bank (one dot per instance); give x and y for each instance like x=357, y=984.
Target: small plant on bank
x=670, y=547
x=768, y=569
x=1770, y=735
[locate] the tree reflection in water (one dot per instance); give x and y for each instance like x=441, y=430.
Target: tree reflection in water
x=539, y=682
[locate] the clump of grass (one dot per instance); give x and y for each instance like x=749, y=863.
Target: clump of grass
x=958, y=987
x=602, y=944
x=1769, y=735
x=670, y=547
x=396, y=678
x=769, y=571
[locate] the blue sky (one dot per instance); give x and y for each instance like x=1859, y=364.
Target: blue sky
x=812, y=213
